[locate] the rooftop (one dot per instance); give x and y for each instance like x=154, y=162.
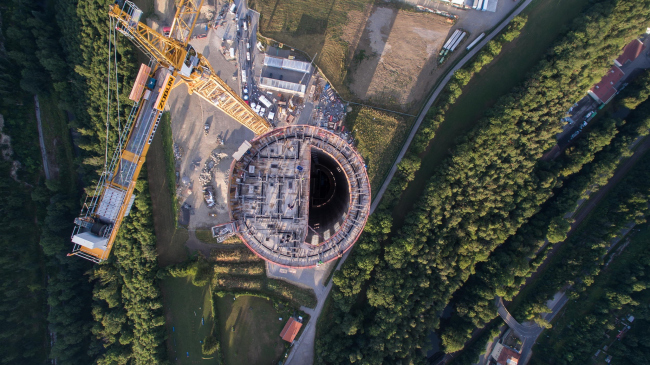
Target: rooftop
x=605, y=90
x=505, y=355
x=300, y=196
x=287, y=64
x=290, y=330
x=630, y=52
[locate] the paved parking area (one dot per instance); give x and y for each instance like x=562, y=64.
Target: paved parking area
x=190, y=114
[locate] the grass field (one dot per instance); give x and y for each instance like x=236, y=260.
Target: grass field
x=170, y=240
x=379, y=135
x=185, y=306
x=547, y=19
x=256, y=336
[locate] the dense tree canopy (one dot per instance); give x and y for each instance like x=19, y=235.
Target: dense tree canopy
x=491, y=185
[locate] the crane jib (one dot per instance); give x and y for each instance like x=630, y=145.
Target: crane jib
x=162, y=99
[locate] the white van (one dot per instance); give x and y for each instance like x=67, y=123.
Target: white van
x=248, y=56
x=233, y=8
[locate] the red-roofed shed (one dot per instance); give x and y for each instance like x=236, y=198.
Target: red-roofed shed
x=630, y=53
x=604, y=91
x=290, y=330
x=508, y=357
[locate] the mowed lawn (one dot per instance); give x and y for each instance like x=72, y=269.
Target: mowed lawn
x=185, y=306
x=379, y=135
x=256, y=336
x=547, y=20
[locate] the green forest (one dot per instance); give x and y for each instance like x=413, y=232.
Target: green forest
x=488, y=219
x=605, y=293
x=54, y=306
x=391, y=291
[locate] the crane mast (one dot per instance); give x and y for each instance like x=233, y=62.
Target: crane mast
x=174, y=61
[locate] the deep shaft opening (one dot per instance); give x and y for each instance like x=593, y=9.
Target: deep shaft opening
x=329, y=195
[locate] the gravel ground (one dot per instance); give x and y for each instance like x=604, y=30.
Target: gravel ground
x=189, y=115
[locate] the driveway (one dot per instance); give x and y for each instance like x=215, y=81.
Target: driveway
x=529, y=331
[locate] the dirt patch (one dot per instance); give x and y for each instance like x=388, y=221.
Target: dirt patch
x=353, y=29
x=396, y=47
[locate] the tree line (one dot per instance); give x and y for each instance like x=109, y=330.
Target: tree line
x=491, y=185
x=617, y=291
x=60, y=49
x=594, y=158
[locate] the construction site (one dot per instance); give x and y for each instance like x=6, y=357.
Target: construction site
x=297, y=196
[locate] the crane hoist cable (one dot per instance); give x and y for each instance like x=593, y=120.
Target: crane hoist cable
x=117, y=86
x=108, y=97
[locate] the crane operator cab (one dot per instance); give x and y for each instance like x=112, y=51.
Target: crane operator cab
x=191, y=61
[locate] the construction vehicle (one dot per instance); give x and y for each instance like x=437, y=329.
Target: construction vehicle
x=173, y=62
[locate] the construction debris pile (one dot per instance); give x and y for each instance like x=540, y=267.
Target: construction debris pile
x=206, y=173
x=178, y=152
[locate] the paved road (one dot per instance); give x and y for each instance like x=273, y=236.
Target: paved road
x=435, y=94
x=303, y=351
x=529, y=331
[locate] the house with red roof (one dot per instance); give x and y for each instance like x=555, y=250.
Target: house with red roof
x=605, y=90
x=504, y=355
x=630, y=53
x=290, y=330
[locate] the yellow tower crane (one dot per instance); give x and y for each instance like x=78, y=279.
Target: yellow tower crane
x=184, y=62
x=175, y=62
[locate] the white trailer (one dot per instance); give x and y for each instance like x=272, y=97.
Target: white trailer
x=451, y=39
x=479, y=6
x=475, y=4
x=455, y=40
x=453, y=47
x=243, y=76
x=265, y=101
x=478, y=39
x=485, y=5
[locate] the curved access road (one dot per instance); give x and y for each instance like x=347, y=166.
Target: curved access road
x=434, y=96
x=528, y=332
